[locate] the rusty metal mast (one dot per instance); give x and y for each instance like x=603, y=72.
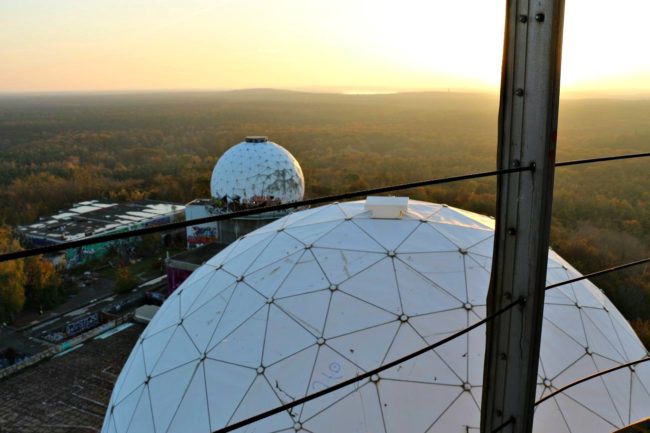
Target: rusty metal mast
x=528, y=113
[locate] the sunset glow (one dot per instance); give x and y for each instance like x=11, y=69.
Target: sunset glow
x=334, y=45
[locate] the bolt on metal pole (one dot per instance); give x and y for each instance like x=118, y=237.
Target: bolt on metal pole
x=528, y=113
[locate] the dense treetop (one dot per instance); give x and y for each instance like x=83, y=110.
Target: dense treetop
x=59, y=149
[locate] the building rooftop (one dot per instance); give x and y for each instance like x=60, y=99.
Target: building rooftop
x=93, y=217
x=67, y=393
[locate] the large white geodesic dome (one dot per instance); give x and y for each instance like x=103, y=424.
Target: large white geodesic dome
x=321, y=295
x=257, y=167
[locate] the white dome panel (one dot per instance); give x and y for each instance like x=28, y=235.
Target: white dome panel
x=325, y=294
x=257, y=168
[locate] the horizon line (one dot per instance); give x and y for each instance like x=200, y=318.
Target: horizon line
x=351, y=91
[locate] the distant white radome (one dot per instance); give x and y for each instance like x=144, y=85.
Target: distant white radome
x=324, y=294
x=257, y=168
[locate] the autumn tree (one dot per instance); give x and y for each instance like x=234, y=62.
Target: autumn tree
x=121, y=148
x=124, y=280
x=44, y=286
x=12, y=278
x=642, y=328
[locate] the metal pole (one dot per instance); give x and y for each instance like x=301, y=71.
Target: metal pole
x=528, y=112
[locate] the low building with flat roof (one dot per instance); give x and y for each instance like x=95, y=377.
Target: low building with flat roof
x=95, y=218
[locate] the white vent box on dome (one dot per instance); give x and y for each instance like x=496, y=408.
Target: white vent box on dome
x=387, y=207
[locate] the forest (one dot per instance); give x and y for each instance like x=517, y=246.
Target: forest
x=59, y=149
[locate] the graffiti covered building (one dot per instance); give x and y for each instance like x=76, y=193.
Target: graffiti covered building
x=94, y=218
x=229, y=230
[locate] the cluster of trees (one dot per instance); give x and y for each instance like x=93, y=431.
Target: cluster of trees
x=32, y=283
x=58, y=150
x=12, y=278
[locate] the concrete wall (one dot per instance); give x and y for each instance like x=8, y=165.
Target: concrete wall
x=58, y=348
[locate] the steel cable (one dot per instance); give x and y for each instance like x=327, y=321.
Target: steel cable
x=309, y=202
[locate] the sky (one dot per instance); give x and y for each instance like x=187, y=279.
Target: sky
x=324, y=45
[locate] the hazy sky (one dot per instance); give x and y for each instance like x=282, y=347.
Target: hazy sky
x=339, y=45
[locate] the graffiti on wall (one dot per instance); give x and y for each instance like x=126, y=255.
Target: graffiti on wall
x=74, y=328
x=201, y=235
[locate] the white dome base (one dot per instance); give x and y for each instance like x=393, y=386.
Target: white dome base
x=258, y=168
x=322, y=295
